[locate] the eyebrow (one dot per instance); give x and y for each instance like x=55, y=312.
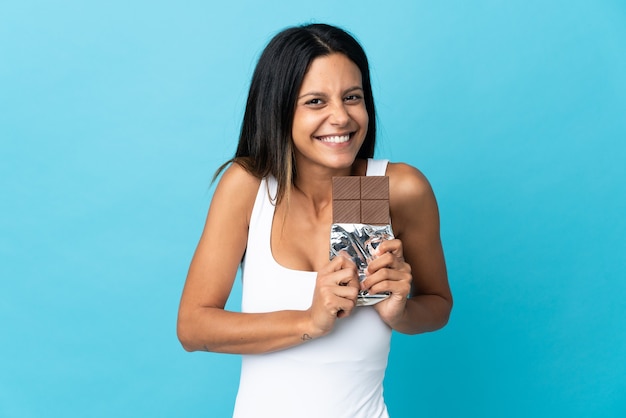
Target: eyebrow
x=319, y=93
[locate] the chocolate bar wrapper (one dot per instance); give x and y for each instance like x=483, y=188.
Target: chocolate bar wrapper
x=358, y=243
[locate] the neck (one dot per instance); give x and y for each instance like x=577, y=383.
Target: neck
x=314, y=184
x=315, y=189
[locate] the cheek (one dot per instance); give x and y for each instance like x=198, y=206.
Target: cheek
x=360, y=113
x=297, y=124
x=362, y=118
x=305, y=124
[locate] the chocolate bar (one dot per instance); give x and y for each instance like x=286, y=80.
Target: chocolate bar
x=360, y=223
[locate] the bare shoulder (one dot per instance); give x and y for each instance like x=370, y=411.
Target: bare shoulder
x=407, y=183
x=236, y=175
x=236, y=190
x=411, y=198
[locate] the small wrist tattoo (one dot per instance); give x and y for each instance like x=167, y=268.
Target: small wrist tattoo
x=306, y=337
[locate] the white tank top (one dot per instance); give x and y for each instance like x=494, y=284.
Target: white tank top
x=339, y=375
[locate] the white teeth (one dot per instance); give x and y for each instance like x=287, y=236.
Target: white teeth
x=336, y=139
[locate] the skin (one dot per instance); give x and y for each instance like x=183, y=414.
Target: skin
x=411, y=267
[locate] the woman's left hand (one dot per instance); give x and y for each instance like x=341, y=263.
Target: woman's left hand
x=389, y=272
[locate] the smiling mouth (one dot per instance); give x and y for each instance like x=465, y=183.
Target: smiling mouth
x=335, y=139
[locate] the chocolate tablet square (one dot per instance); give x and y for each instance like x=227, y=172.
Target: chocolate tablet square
x=375, y=188
x=346, y=211
x=375, y=212
x=346, y=188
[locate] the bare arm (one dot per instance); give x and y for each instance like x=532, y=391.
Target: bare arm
x=413, y=265
x=203, y=324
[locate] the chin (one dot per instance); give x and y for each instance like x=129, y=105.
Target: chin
x=342, y=163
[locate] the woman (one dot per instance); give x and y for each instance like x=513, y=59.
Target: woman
x=308, y=350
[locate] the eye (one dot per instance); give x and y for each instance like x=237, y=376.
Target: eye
x=314, y=102
x=353, y=98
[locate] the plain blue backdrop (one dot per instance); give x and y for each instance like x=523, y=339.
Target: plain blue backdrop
x=114, y=116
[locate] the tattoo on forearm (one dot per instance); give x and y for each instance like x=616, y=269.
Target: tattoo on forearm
x=306, y=337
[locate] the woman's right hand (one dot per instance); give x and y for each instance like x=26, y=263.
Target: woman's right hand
x=335, y=295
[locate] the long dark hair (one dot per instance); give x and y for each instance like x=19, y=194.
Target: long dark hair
x=265, y=145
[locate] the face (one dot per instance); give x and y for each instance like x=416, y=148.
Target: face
x=330, y=120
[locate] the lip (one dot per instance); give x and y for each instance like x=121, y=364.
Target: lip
x=335, y=138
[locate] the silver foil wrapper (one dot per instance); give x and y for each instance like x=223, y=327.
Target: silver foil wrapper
x=358, y=243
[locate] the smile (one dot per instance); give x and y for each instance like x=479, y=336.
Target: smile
x=335, y=139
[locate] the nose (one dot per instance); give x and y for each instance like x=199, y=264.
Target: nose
x=339, y=116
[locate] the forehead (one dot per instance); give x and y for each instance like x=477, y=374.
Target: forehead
x=332, y=69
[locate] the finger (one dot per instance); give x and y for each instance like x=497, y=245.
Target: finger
x=386, y=275
x=341, y=304
x=393, y=246
x=343, y=277
x=345, y=307
x=352, y=281
x=375, y=278
x=396, y=283
x=349, y=293
x=400, y=289
x=387, y=260
x=344, y=313
x=346, y=263
x=338, y=287
x=336, y=264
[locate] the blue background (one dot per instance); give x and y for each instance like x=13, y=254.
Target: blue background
x=114, y=116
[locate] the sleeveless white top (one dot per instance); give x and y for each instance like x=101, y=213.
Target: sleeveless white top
x=339, y=375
